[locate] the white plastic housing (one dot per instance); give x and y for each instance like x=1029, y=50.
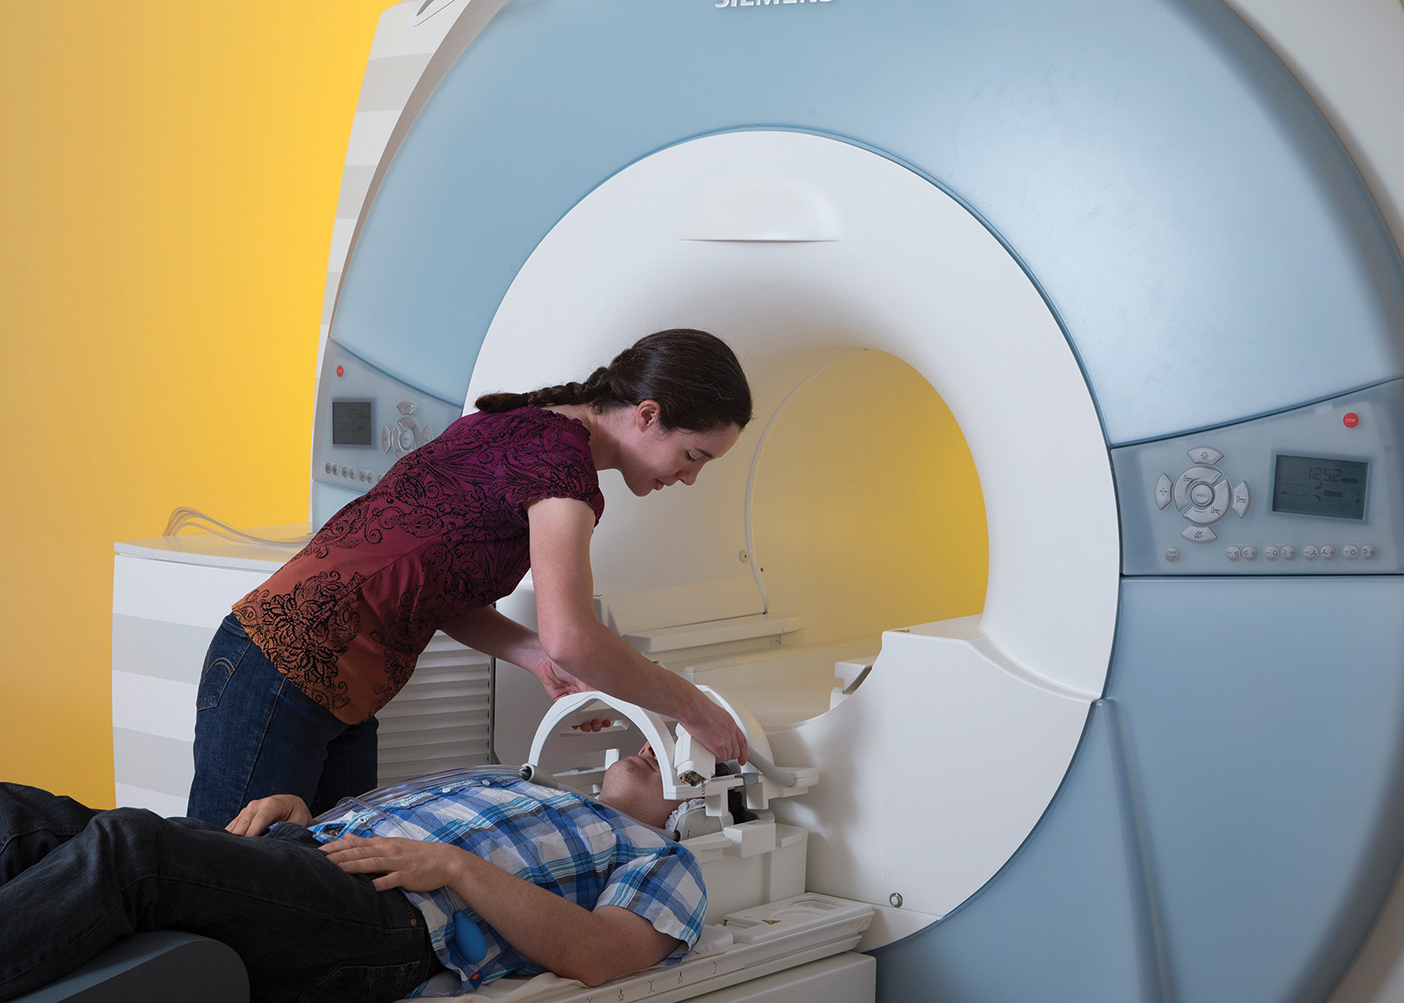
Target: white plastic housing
x=854, y=252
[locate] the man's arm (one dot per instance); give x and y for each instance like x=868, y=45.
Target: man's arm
x=558, y=935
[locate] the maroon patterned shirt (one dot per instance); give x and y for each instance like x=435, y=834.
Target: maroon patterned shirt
x=444, y=532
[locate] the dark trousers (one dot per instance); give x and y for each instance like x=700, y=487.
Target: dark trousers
x=74, y=880
x=256, y=734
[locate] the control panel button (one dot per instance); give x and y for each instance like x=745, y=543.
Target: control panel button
x=1250, y=553
x=1172, y=554
x=1206, y=455
x=1186, y=480
x=405, y=407
x=1328, y=553
x=1242, y=497
x=1219, y=507
x=1350, y=551
x=385, y=439
x=1162, y=490
x=1289, y=552
x=1232, y=553
x=405, y=440
x=1199, y=534
x=1309, y=552
x=1368, y=551
x=326, y=467
x=1270, y=553
x=1214, y=507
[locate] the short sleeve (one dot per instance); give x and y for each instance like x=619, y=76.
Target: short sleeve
x=556, y=463
x=665, y=887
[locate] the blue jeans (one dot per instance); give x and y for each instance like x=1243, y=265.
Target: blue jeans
x=257, y=734
x=74, y=880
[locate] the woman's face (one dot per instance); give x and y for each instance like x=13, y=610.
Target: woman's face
x=652, y=458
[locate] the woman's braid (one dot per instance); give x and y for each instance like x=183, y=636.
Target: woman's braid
x=695, y=378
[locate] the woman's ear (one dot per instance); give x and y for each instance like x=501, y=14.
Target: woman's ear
x=647, y=415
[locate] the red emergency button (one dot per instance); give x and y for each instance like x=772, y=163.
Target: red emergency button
x=1351, y=419
x=341, y=371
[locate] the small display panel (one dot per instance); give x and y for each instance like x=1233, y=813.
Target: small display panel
x=1311, y=485
x=351, y=423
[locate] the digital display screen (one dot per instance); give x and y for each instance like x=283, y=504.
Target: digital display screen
x=351, y=423
x=1311, y=485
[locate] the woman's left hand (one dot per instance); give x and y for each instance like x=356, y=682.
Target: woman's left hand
x=401, y=863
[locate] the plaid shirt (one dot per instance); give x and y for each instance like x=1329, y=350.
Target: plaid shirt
x=582, y=850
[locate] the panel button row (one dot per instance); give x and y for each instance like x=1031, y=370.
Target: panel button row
x=1285, y=552
x=1322, y=552
x=351, y=473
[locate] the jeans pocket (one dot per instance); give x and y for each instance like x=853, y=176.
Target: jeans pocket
x=226, y=651
x=214, y=677
x=379, y=983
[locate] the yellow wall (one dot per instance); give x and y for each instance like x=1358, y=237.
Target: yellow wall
x=168, y=178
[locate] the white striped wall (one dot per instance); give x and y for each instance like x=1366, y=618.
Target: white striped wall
x=164, y=613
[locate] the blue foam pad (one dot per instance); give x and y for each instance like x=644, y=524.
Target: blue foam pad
x=165, y=967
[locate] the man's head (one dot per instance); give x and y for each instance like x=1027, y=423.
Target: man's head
x=635, y=785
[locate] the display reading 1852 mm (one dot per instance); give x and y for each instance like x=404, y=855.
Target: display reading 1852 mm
x=351, y=423
x=1310, y=485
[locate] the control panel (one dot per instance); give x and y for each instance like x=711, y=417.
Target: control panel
x=365, y=420
x=1315, y=490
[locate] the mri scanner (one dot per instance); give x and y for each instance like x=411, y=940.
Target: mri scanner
x=1067, y=542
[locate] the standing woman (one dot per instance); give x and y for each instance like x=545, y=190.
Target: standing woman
x=297, y=671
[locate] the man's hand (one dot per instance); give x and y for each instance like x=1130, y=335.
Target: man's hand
x=258, y=815
x=401, y=863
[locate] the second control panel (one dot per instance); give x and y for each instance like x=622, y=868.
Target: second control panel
x=1314, y=490
x=367, y=420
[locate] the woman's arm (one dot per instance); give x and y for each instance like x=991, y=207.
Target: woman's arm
x=486, y=630
x=558, y=935
x=574, y=640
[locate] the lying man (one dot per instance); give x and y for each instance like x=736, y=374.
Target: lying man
x=554, y=880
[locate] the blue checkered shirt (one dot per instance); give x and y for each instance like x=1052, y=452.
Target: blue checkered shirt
x=582, y=850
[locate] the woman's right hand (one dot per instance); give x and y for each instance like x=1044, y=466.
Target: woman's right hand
x=558, y=681
x=718, y=731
